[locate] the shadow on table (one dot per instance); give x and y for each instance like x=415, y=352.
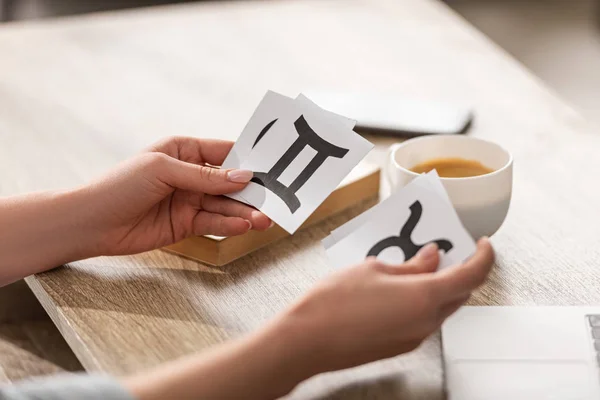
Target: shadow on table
x=160, y=284
x=33, y=348
x=154, y=293
x=417, y=375
x=382, y=388
x=164, y=285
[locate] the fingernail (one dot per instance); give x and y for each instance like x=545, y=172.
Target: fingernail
x=249, y=225
x=429, y=251
x=272, y=224
x=484, y=239
x=240, y=175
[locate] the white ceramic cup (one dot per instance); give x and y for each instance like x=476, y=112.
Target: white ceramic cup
x=481, y=201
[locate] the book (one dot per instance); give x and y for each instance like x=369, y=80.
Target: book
x=361, y=184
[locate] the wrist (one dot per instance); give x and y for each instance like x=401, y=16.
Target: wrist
x=302, y=339
x=78, y=231
x=55, y=222
x=290, y=353
x=265, y=365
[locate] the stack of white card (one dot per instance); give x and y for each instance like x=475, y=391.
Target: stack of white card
x=395, y=229
x=299, y=154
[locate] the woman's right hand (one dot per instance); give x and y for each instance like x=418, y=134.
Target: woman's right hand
x=374, y=311
x=364, y=313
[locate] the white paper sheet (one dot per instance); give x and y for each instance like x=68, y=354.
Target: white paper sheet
x=433, y=218
x=350, y=226
x=291, y=195
x=271, y=107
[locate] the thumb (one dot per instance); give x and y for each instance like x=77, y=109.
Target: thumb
x=203, y=179
x=425, y=261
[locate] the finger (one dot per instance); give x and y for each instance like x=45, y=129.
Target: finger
x=206, y=223
x=231, y=208
x=195, y=150
x=213, y=151
x=459, y=280
x=425, y=261
x=452, y=307
x=198, y=178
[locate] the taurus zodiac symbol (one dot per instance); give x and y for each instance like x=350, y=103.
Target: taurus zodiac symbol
x=404, y=241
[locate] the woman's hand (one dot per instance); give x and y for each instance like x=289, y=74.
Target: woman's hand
x=374, y=311
x=365, y=313
x=159, y=197
x=167, y=193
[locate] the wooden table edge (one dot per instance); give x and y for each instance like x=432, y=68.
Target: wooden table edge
x=74, y=341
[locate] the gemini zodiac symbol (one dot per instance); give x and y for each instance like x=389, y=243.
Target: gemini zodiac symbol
x=404, y=241
x=306, y=137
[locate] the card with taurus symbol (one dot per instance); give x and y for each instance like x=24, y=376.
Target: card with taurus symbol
x=395, y=230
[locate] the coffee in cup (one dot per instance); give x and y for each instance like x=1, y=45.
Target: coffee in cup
x=481, y=189
x=452, y=167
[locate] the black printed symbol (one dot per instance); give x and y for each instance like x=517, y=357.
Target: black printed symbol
x=306, y=137
x=404, y=241
x=263, y=131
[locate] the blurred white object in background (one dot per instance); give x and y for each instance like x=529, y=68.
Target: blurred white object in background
x=558, y=40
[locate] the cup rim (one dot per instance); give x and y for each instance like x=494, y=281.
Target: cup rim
x=398, y=146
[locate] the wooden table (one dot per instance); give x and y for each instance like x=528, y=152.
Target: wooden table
x=78, y=95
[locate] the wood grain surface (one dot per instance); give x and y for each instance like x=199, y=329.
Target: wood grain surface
x=18, y=303
x=79, y=94
x=30, y=344
x=33, y=348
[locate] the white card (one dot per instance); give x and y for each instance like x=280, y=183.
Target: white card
x=396, y=228
x=344, y=230
x=341, y=232
x=272, y=107
x=299, y=160
x=276, y=104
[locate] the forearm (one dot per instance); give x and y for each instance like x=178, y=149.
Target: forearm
x=265, y=365
x=41, y=231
